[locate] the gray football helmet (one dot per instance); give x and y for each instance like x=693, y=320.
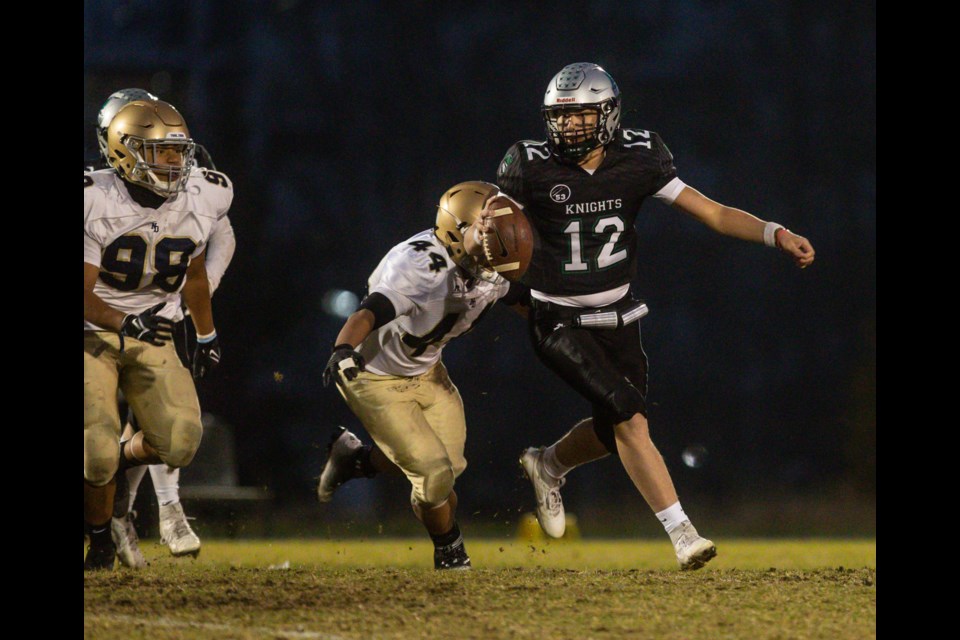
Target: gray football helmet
x=109, y=109
x=580, y=87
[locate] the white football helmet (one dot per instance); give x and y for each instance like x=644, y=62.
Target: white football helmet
x=580, y=87
x=109, y=109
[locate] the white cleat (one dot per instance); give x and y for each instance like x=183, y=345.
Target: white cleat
x=128, y=544
x=341, y=463
x=550, y=513
x=175, y=531
x=692, y=550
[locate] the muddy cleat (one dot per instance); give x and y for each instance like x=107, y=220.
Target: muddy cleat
x=341, y=464
x=550, y=513
x=175, y=531
x=451, y=558
x=692, y=551
x=100, y=555
x=125, y=538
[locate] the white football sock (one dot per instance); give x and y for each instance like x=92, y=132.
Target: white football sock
x=166, y=483
x=672, y=517
x=134, y=477
x=552, y=465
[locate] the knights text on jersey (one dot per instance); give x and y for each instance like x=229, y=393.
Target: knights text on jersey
x=143, y=253
x=585, y=241
x=435, y=301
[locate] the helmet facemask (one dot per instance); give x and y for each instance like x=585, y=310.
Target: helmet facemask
x=573, y=131
x=153, y=168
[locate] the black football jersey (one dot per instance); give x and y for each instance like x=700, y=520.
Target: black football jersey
x=584, y=236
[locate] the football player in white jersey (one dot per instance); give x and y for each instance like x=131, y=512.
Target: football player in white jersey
x=426, y=291
x=175, y=530
x=147, y=222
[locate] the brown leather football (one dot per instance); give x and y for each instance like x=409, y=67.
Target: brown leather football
x=509, y=244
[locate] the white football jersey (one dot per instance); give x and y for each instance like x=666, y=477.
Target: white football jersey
x=435, y=301
x=143, y=253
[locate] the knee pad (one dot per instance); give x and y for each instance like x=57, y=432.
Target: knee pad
x=437, y=484
x=184, y=442
x=622, y=404
x=100, y=467
x=626, y=401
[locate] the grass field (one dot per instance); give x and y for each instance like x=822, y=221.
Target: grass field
x=386, y=588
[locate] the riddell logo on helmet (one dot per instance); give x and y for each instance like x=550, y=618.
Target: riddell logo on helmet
x=559, y=100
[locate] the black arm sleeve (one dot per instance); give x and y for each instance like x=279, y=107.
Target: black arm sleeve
x=381, y=308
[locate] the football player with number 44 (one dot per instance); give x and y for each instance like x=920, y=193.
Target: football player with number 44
x=582, y=189
x=386, y=363
x=146, y=224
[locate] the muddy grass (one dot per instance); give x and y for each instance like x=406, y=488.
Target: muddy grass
x=385, y=589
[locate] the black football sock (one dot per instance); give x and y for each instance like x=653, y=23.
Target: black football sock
x=99, y=534
x=449, y=539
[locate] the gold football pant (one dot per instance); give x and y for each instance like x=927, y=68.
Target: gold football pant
x=159, y=389
x=418, y=423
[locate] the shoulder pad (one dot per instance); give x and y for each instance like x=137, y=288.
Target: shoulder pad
x=215, y=187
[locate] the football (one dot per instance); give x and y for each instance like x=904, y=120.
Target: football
x=509, y=244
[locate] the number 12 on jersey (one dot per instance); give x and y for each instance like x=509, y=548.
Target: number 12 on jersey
x=606, y=257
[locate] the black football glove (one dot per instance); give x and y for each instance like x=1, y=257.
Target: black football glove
x=206, y=357
x=344, y=360
x=148, y=326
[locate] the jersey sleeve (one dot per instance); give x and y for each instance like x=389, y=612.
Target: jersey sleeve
x=92, y=242
x=219, y=189
x=406, y=277
x=220, y=249
x=666, y=171
x=510, y=172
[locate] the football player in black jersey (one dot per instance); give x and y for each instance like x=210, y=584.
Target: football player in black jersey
x=582, y=189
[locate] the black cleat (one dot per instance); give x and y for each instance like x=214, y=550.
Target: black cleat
x=100, y=555
x=453, y=557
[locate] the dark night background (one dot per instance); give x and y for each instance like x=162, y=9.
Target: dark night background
x=341, y=125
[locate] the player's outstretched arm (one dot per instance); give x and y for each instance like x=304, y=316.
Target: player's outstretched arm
x=740, y=224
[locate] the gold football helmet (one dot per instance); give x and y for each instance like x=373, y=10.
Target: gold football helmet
x=148, y=143
x=459, y=207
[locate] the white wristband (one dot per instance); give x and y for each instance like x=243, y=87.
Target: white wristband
x=207, y=338
x=770, y=233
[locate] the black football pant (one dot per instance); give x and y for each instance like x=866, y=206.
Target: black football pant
x=608, y=367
